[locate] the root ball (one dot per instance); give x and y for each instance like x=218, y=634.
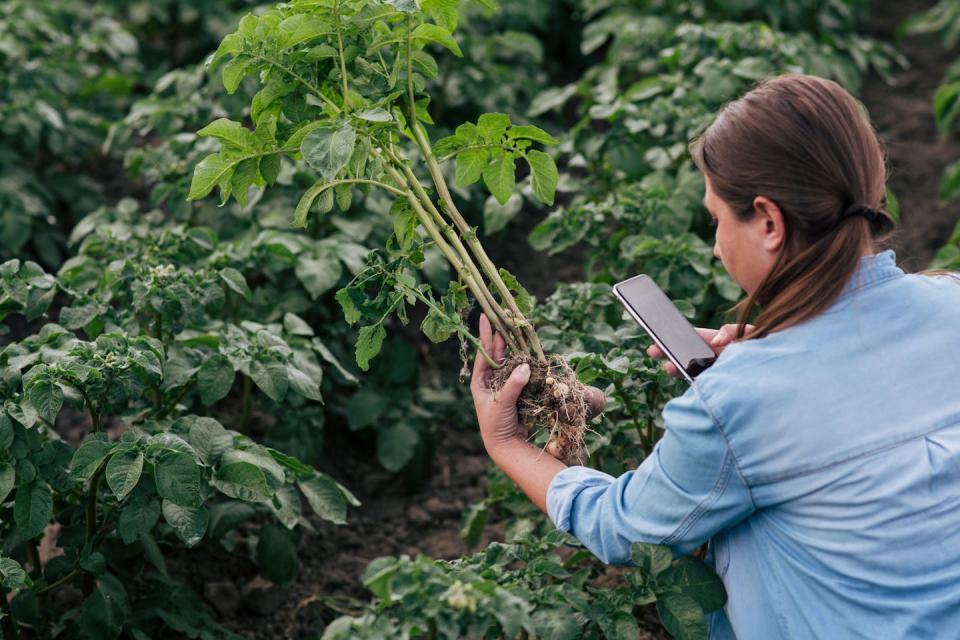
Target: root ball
x=553, y=399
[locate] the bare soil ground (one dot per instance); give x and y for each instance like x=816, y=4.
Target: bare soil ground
x=903, y=116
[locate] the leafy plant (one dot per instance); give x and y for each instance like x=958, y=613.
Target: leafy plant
x=166, y=476
x=533, y=588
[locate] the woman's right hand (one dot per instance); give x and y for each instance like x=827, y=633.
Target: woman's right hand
x=717, y=339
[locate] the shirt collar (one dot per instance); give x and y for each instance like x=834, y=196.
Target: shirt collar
x=871, y=269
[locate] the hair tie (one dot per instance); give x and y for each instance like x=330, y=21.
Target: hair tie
x=858, y=209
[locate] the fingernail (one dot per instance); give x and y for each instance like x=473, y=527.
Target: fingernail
x=524, y=370
x=716, y=339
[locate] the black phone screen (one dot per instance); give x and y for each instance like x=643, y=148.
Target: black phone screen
x=665, y=324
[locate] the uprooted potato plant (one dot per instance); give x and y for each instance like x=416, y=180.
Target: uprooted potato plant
x=343, y=88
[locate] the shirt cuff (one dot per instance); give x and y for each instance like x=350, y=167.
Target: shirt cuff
x=565, y=487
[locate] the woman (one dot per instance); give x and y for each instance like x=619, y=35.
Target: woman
x=820, y=454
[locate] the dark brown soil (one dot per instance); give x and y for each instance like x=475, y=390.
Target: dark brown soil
x=903, y=115
x=390, y=522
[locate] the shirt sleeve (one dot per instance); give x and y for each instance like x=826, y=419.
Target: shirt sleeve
x=686, y=490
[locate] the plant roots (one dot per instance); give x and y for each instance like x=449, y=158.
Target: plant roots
x=553, y=399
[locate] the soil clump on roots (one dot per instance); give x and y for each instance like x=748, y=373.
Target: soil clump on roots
x=553, y=399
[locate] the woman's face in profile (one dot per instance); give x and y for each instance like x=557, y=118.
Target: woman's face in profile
x=742, y=246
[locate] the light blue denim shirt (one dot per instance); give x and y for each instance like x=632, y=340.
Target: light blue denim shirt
x=823, y=461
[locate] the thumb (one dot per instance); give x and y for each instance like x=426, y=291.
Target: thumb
x=514, y=385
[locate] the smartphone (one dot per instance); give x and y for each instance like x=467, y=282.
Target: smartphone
x=661, y=319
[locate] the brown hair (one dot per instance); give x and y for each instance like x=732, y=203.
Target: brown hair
x=808, y=145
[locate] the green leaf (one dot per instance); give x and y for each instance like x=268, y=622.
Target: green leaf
x=295, y=325
x=47, y=398
x=32, y=509
x=325, y=498
x=396, y=445
x=522, y=297
x=269, y=168
x=543, y=175
x=210, y=172
x=443, y=12
x=271, y=378
x=379, y=114
x=123, y=472
x=190, y=523
x=234, y=71
x=368, y=344
x=474, y=520
x=404, y=223
x=14, y=576
x=406, y=6
x=500, y=176
x=229, y=133
x=318, y=274
x=492, y=126
x=301, y=27
x=88, y=457
x=681, y=616
x=235, y=281
x=530, y=132
x=437, y=327
x=439, y=35
x=277, y=556
x=242, y=481
x=302, y=212
x=653, y=559
x=697, y=580
x=138, y=517
x=178, y=479
x=351, y=313
x=8, y=477
x=328, y=149
x=470, y=165
x=214, y=379
x=208, y=438
x=303, y=383
x=77, y=316
x=105, y=611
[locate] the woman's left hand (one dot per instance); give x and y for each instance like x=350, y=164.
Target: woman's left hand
x=496, y=411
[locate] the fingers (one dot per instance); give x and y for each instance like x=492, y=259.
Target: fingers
x=511, y=389
x=480, y=365
x=726, y=335
x=486, y=333
x=707, y=334
x=596, y=400
x=499, y=348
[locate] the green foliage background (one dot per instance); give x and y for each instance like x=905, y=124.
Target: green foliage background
x=200, y=343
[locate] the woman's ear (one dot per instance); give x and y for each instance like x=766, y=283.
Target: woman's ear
x=770, y=224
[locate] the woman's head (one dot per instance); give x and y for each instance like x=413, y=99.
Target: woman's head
x=782, y=164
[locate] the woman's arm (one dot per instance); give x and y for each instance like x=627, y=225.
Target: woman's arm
x=503, y=437
x=689, y=488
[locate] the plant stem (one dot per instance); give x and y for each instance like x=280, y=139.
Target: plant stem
x=65, y=579
x=170, y=407
x=247, y=398
x=469, y=277
x=471, y=237
x=92, y=519
x=513, y=336
x=425, y=300
x=313, y=88
x=343, y=64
